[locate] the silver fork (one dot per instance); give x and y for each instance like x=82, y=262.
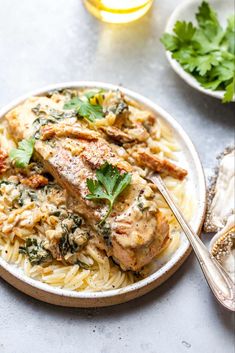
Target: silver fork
x=218, y=280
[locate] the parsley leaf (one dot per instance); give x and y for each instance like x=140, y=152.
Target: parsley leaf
x=202, y=64
x=171, y=42
x=206, y=51
x=85, y=107
x=184, y=31
x=21, y=156
x=230, y=90
x=108, y=186
x=229, y=38
x=208, y=21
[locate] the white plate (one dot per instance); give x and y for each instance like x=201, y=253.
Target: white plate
x=186, y=12
x=196, y=181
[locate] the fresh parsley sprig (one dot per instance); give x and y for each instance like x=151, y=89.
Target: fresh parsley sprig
x=21, y=156
x=206, y=51
x=86, y=107
x=109, y=185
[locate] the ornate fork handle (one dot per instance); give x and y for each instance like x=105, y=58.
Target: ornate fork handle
x=218, y=280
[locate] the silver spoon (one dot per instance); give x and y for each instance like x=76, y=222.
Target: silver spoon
x=218, y=280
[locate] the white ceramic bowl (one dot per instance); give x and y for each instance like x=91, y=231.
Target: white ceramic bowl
x=196, y=181
x=186, y=12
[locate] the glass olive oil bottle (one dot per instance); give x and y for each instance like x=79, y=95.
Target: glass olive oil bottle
x=118, y=11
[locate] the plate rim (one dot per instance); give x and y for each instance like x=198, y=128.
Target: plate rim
x=187, y=77
x=35, y=288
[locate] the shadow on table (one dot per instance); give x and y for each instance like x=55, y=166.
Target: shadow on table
x=121, y=45
x=151, y=300
x=208, y=107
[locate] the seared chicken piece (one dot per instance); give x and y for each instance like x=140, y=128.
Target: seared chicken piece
x=117, y=135
x=145, y=159
x=138, y=132
x=3, y=161
x=64, y=130
x=35, y=181
x=135, y=134
x=135, y=231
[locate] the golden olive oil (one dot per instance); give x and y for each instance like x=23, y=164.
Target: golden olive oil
x=118, y=11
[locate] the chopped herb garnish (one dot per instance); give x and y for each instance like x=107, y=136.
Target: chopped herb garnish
x=109, y=185
x=118, y=108
x=35, y=251
x=56, y=213
x=21, y=156
x=48, y=115
x=106, y=231
x=82, y=265
x=77, y=221
x=6, y=182
x=85, y=108
x=65, y=243
x=26, y=195
x=70, y=241
x=51, y=185
x=206, y=51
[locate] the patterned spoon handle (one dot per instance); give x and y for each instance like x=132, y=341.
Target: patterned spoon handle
x=218, y=280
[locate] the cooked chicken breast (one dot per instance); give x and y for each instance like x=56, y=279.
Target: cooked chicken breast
x=158, y=165
x=3, y=161
x=135, y=134
x=117, y=135
x=135, y=231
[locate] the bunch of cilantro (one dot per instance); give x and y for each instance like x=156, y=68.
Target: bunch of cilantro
x=206, y=51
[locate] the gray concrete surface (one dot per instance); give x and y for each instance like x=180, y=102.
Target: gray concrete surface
x=44, y=41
